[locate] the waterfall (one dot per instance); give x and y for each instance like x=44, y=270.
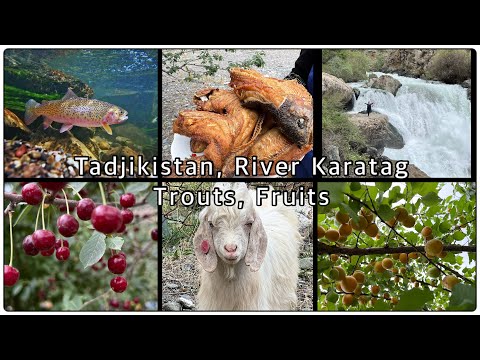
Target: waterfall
x=434, y=120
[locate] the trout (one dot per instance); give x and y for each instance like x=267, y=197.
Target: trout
x=73, y=110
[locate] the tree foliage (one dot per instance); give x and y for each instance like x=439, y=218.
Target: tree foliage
x=395, y=259
x=193, y=64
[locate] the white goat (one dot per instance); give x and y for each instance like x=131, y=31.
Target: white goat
x=266, y=237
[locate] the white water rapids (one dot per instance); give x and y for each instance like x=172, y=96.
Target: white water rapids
x=434, y=120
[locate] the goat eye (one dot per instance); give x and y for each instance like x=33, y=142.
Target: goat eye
x=248, y=223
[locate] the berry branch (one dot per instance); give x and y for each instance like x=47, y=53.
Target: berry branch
x=331, y=249
x=16, y=199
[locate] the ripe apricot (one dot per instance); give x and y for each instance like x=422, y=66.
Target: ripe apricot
x=339, y=275
x=434, y=272
x=442, y=254
x=347, y=299
x=345, y=229
x=373, y=301
x=371, y=230
x=403, y=271
x=395, y=270
x=342, y=218
x=375, y=289
x=358, y=290
x=349, y=284
x=394, y=301
x=403, y=258
x=362, y=299
x=397, y=279
x=409, y=221
x=334, y=257
x=379, y=267
x=401, y=214
x=426, y=231
x=359, y=276
x=342, y=239
x=320, y=232
x=367, y=214
x=332, y=235
x=360, y=225
x=413, y=279
x=387, y=263
x=413, y=255
x=450, y=281
x=338, y=286
x=386, y=296
x=395, y=256
x=434, y=247
x=417, y=284
x=392, y=222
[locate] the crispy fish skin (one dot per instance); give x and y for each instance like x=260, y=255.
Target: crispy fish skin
x=289, y=102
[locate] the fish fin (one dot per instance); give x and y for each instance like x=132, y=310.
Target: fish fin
x=46, y=122
x=107, y=128
x=30, y=114
x=69, y=95
x=65, y=127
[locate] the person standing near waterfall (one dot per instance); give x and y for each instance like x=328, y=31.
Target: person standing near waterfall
x=369, y=107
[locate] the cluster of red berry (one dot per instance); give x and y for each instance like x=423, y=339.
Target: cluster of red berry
x=126, y=304
x=104, y=218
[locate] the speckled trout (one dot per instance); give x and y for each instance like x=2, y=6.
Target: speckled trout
x=72, y=111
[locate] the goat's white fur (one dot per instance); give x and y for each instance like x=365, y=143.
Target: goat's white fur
x=273, y=286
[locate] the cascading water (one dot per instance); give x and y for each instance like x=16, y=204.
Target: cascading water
x=434, y=120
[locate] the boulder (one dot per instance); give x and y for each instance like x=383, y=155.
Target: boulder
x=468, y=85
x=331, y=152
x=406, y=62
x=337, y=88
x=377, y=130
x=13, y=121
x=387, y=83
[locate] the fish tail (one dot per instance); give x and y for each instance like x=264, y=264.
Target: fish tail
x=30, y=114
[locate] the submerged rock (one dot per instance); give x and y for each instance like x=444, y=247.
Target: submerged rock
x=387, y=83
x=13, y=121
x=378, y=131
x=337, y=89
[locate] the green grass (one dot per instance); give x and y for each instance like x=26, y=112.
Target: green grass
x=349, y=65
x=15, y=98
x=339, y=131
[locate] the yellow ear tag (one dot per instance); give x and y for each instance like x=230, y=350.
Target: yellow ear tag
x=107, y=128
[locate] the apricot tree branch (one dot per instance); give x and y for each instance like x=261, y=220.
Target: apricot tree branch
x=330, y=249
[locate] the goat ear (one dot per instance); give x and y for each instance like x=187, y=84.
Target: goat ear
x=257, y=245
x=204, y=249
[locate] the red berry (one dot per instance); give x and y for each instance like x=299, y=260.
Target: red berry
x=63, y=253
x=127, y=200
x=126, y=305
x=43, y=239
x=121, y=253
x=32, y=194
x=28, y=246
x=136, y=299
x=58, y=243
x=122, y=229
x=48, y=252
x=106, y=219
x=117, y=264
x=127, y=216
x=154, y=234
x=85, y=208
x=118, y=284
x=11, y=275
x=54, y=186
x=114, y=303
x=67, y=225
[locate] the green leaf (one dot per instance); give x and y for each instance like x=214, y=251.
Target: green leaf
x=355, y=186
x=93, y=249
x=335, y=193
x=463, y=298
x=383, y=186
x=324, y=265
x=431, y=199
x=152, y=199
x=385, y=212
x=444, y=227
x=458, y=235
x=418, y=227
x=115, y=243
x=423, y=188
x=136, y=187
x=24, y=212
x=450, y=258
x=73, y=304
x=414, y=299
x=77, y=186
x=381, y=305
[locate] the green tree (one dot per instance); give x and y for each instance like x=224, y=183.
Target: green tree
x=390, y=253
x=192, y=64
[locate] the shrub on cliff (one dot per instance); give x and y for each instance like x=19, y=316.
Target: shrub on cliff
x=450, y=66
x=339, y=131
x=349, y=65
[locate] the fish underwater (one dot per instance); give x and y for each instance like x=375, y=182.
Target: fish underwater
x=73, y=110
